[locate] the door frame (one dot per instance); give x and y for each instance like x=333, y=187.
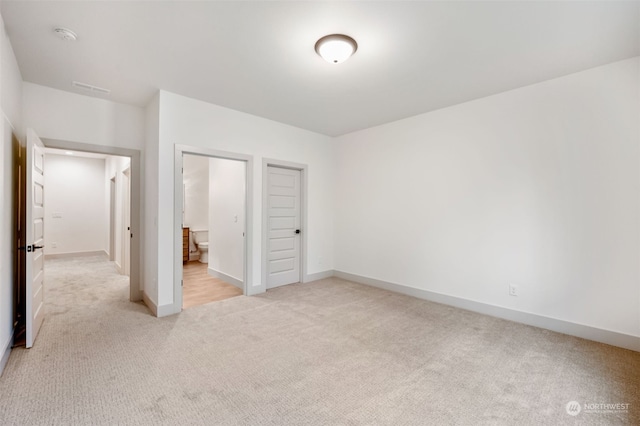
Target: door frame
x=135, y=283
x=112, y=219
x=126, y=211
x=178, y=197
x=303, y=169
x=20, y=238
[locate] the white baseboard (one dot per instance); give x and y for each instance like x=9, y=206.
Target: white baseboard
x=152, y=306
x=318, y=276
x=226, y=278
x=6, y=351
x=138, y=296
x=162, y=310
x=166, y=310
x=613, y=338
x=76, y=254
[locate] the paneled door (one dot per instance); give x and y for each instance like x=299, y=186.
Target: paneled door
x=283, y=226
x=34, y=237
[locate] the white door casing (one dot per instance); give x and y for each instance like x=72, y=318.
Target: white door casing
x=112, y=219
x=35, y=237
x=126, y=223
x=283, y=226
x=135, y=288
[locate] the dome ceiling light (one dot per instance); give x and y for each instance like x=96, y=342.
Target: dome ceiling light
x=336, y=48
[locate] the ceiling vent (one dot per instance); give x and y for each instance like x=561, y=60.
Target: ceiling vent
x=91, y=88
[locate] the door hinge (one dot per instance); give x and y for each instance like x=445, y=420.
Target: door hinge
x=181, y=283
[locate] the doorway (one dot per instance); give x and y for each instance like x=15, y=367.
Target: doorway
x=86, y=209
x=212, y=233
x=213, y=229
x=128, y=255
x=34, y=223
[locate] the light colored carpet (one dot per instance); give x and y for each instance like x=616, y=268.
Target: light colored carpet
x=330, y=352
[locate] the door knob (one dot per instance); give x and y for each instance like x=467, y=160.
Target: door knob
x=297, y=231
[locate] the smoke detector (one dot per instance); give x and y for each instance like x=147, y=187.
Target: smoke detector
x=65, y=34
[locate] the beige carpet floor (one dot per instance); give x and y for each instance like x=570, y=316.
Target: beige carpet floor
x=326, y=353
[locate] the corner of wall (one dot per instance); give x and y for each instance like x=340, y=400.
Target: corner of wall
x=150, y=205
x=168, y=310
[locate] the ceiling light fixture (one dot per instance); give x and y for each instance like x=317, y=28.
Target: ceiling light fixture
x=336, y=48
x=65, y=34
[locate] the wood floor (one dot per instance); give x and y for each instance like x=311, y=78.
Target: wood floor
x=199, y=287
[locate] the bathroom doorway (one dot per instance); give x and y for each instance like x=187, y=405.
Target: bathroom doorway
x=213, y=228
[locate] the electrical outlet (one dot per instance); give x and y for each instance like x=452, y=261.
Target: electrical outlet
x=54, y=245
x=513, y=290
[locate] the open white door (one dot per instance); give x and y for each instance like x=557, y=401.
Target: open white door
x=35, y=236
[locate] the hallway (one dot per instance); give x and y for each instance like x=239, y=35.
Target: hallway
x=84, y=282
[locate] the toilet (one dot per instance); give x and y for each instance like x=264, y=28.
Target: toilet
x=202, y=242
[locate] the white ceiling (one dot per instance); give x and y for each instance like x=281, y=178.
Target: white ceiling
x=258, y=57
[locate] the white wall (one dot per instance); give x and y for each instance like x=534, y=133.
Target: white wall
x=195, y=123
x=10, y=124
x=227, y=217
x=536, y=187
x=11, y=86
x=196, y=192
x=74, y=205
x=56, y=114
